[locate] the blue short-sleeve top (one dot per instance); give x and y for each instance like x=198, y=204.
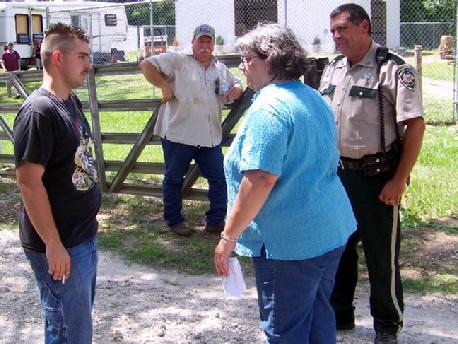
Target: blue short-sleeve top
x=289, y=131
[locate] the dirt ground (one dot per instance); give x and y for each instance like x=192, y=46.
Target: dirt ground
x=138, y=304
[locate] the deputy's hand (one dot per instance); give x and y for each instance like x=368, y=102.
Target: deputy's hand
x=392, y=192
x=222, y=254
x=58, y=261
x=235, y=92
x=167, y=94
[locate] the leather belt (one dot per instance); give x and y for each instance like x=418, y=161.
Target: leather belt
x=351, y=164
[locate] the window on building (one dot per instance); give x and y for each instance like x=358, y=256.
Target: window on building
x=248, y=13
x=37, y=23
x=22, y=29
x=110, y=19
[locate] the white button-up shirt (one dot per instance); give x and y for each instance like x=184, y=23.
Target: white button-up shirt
x=194, y=116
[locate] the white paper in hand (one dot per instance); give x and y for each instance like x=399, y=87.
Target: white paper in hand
x=234, y=284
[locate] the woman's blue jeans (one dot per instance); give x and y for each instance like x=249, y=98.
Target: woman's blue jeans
x=293, y=297
x=67, y=308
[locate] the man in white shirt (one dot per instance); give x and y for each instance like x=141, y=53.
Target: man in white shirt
x=194, y=89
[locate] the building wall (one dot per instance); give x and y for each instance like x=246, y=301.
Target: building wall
x=217, y=13
x=308, y=19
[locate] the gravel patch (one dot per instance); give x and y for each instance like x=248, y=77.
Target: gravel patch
x=139, y=304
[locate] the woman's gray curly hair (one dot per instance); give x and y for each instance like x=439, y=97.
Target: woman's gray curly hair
x=279, y=47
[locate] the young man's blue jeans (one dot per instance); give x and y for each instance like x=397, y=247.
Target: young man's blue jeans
x=177, y=159
x=293, y=297
x=67, y=308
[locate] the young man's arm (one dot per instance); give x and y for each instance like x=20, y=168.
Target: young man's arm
x=36, y=202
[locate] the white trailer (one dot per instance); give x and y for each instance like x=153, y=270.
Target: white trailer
x=24, y=22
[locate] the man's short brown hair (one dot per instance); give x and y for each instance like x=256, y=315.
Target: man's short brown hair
x=60, y=37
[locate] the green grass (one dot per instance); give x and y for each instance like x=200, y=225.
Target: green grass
x=438, y=111
x=135, y=229
x=433, y=192
x=133, y=225
x=439, y=70
x=442, y=283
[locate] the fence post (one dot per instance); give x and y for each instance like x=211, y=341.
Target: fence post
x=142, y=140
x=418, y=67
x=96, y=130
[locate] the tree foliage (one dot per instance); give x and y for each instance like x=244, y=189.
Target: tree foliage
x=428, y=10
x=163, y=13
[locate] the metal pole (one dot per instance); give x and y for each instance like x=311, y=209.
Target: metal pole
x=29, y=19
x=285, y=6
x=99, y=20
x=455, y=91
x=91, y=38
x=151, y=35
x=48, y=18
x=418, y=66
x=151, y=24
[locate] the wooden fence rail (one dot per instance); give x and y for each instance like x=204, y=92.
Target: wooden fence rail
x=138, y=141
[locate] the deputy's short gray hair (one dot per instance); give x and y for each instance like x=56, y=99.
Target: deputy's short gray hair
x=279, y=47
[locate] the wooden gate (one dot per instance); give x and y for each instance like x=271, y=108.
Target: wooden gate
x=138, y=141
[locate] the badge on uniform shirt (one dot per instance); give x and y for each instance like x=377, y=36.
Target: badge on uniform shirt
x=368, y=79
x=407, y=78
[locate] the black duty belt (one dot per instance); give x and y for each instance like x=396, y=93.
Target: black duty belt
x=351, y=164
x=372, y=164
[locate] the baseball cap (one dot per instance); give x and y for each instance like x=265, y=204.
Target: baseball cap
x=204, y=30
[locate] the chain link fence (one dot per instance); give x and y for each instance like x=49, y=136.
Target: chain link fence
x=168, y=24
x=132, y=30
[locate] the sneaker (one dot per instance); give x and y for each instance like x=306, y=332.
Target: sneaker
x=181, y=229
x=385, y=338
x=215, y=229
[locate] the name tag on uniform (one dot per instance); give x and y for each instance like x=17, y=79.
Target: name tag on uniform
x=363, y=92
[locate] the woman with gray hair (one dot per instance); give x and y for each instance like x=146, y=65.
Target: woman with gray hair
x=286, y=206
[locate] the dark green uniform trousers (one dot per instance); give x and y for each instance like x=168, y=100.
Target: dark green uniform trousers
x=379, y=232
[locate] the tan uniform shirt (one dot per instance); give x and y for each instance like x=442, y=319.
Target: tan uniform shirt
x=352, y=93
x=194, y=116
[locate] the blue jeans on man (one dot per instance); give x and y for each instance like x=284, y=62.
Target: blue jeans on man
x=293, y=297
x=67, y=307
x=177, y=159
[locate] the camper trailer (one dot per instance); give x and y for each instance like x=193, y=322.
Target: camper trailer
x=26, y=22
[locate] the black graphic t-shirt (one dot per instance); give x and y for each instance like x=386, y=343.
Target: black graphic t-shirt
x=54, y=133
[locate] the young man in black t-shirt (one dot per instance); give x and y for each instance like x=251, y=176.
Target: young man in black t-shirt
x=60, y=193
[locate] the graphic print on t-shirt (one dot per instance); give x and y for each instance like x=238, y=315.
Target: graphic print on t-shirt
x=85, y=175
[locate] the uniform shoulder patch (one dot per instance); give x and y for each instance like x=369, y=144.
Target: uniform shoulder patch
x=407, y=78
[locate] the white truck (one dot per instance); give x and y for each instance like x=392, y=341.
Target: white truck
x=24, y=22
